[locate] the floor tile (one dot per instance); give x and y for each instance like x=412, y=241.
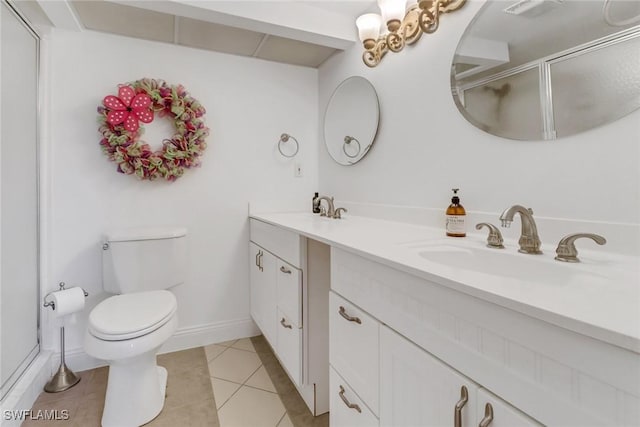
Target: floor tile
x=227, y=343
x=285, y=421
x=188, y=387
x=260, y=379
x=251, y=407
x=183, y=361
x=223, y=390
x=234, y=365
x=200, y=414
x=214, y=350
x=244, y=344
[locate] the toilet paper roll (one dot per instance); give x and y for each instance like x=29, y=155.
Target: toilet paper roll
x=67, y=301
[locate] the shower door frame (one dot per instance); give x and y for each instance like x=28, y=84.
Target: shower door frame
x=12, y=380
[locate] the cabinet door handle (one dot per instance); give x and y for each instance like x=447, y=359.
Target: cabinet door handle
x=464, y=398
x=344, y=314
x=346, y=401
x=284, y=324
x=257, y=255
x=260, y=261
x=488, y=416
x=285, y=270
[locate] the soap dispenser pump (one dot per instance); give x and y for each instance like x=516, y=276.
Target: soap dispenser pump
x=456, y=214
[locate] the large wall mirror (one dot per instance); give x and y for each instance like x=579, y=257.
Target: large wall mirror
x=351, y=120
x=541, y=70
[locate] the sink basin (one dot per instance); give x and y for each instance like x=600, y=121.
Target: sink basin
x=497, y=262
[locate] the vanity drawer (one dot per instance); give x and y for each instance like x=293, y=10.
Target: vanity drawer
x=289, y=291
x=289, y=347
x=345, y=407
x=285, y=244
x=354, y=348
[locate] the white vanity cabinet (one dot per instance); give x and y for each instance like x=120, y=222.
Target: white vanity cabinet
x=263, y=290
x=281, y=308
x=416, y=389
x=433, y=340
x=276, y=293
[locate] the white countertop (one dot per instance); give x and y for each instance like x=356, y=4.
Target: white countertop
x=599, y=297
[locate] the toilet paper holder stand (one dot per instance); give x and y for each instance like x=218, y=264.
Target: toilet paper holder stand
x=62, y=288
x=65, y=378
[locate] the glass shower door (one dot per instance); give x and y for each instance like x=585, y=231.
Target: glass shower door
x=19, y=286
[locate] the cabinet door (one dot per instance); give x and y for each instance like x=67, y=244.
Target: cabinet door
x=501, y=413
x=416, y=389
x=290, y=291
x=353, y=348
x=289, y=347
x=347, y=409
x=263, y=291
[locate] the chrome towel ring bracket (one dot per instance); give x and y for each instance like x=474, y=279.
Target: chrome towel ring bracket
x=285, y=137
x=347, y=143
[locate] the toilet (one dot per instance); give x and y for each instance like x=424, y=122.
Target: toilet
x=128, y=329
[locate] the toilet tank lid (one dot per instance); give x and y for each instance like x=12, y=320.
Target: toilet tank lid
x=146, y=233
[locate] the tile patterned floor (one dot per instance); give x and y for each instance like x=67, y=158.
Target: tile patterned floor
x=245, y=395
x=189, y=398
x=232, y=384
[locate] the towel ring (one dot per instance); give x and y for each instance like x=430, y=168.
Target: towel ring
x=347, y=140
x=284, y=138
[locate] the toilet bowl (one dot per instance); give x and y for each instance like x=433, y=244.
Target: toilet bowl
x=127, y=331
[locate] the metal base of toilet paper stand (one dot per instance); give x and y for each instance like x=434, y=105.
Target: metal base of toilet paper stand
x=64, y=379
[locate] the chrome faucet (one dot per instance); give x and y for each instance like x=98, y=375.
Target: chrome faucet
x=529, y=240
x=566, y=250
x=330, y=208
x=494, y=240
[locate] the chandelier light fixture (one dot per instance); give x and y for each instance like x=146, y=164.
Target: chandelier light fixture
x=404, y=22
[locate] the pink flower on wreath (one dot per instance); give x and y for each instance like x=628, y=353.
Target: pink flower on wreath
x=128, y=108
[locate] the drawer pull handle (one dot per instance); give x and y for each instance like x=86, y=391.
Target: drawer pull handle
x=344, y=314
x=285, y=270
x=464, y=398
x=284, y=324
x=488, y=416
x=346, y=401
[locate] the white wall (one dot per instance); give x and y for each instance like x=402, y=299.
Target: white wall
x=425, y=147
x=249, y=104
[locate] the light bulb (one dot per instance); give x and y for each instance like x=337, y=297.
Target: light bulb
x=368, y=26
x=392, y=10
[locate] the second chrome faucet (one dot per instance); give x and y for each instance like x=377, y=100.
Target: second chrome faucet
x=529, y=240
x=331, y=211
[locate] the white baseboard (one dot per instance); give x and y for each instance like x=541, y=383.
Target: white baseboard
x=184, y=338
x=196, y=336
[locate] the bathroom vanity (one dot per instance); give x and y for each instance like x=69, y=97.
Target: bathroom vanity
x=427, y=330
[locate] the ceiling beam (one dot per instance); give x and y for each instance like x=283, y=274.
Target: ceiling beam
x=61, y=14
x=293, y=20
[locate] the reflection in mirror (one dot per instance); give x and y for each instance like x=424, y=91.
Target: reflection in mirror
x=533, y=70
x=351, y=120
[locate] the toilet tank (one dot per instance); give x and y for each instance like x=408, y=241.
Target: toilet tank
x=144, y=259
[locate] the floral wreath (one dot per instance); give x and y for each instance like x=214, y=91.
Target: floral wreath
x=138, y=101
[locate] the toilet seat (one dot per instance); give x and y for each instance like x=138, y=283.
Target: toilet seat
x=128, y=316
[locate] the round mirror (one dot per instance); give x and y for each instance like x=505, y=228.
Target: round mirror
x=351, y=120
x=540, y=70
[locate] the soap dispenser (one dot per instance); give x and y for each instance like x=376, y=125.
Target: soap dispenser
x=315, y=204
x=456, y=214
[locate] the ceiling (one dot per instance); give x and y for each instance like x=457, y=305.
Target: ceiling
x=298, y=32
